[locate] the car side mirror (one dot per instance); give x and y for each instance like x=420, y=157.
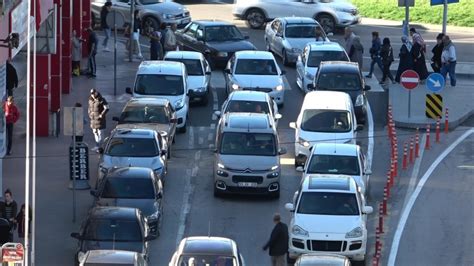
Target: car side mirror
x=227, y=71
x=278, y=116
x=128, y=90
x=173, y=120
x=246, y=37
x=367, y=172
x=367, y=88
x=217, y=113
x=359, y=128
x=100, y=150
x=290, y=207
x=76, y=235
x=283, y=72
x=115, y=119
x=282, y=151
x=367, y=209
x=300, y=169
x=293, y=125
x=93, y=193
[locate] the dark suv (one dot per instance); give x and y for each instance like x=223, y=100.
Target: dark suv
x=345, y=77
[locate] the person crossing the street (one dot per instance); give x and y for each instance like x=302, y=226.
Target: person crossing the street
x=98, y=108
x=278, y=242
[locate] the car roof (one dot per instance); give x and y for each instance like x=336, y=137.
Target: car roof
x=329, y=183
x=299, y=20
x=161, y=67
x=325, y=46
x=111, y=256
x=147, y=101
x=335, y=149
x=248, y=122
x=251, y=54
x=339, y=66
x=209, y=245
x=183, y=55
x=129, y=172
x=109, y=212
x=211, y=22
x=252, y=96
x=330, y=100
x=143, y=133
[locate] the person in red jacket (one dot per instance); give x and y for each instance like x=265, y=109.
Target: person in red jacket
x=11, y=117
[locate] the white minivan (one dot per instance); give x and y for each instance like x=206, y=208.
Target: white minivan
x=164, y=79
x=325, y=116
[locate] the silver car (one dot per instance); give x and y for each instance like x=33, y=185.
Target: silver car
x=288, y=36
x=112, y=257
x=151, y=12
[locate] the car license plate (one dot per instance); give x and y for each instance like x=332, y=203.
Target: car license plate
x=247, y=184
x=185, y=21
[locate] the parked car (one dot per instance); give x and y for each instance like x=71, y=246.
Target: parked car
x=345, y=77
x=322, y=259
x=133, y=147
x=164, y=79
x=199, y=73
x=112, y=257
x=135, y=187
x=150, y=113
x=258, y=71
x=117, y=228
x=307, y=63
x=338, y=159
x=328, y=215
x=217, y=40
x=288, y=36
x=329, y=13
x=325, y=116
x=250, y=102
x=151, y=12
x=207, y=250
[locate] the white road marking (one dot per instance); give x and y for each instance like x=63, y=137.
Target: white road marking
x=466, y=167
x=184, y=209
x=213, y=126
x=415, y=172
x=191, y=138
x=416, y=193
x=210, y=137
x=370, y=148
x=215, y=100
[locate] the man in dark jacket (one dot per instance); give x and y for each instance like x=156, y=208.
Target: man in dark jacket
x=375, y=54
x=12, y=78
x=103, y=23
x=92, y=42
x=98, y=108
x=278, y=242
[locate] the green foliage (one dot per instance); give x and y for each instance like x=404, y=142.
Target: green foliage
x=459, y=14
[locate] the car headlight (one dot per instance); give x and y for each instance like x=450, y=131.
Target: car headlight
x=296, y=230
x=81, y=256
x=359, y=100
x=273, y=175
x=168, y=16
x=296, y=50
x=179, y=104
x=303, y=142
x=309, y=76
x=222, y=54
x=356, y=232
x=158, y=171
x=279, y=88
x=235, y=86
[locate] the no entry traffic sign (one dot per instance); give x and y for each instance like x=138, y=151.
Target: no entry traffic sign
x=409, y=79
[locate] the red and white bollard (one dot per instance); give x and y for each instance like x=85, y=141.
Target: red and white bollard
x=404, y=161
x=381, y=219
x=446, y=122
x=437, y=130
x=427, y=144
x=395, y=165
x=417, y=144
x=411, y=151
x=385, y=199
x=389, y=183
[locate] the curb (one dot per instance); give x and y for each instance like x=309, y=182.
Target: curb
x=453, y=124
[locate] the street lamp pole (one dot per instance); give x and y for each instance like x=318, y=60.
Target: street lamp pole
x=445, y=15
x=27, y=148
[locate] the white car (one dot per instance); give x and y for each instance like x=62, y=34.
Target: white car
x=338, y=159
x=325, y=116
x=250, y=102
x=329, y=13
x=199, y=73
x=328, y=216
x=257, y=71
x=288, y=36
x=313, y=54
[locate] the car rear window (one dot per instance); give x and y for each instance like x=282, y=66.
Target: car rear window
x=247, y=107
x=318, y=120
x=128, y=188
x=144, y=114
x=193, y=66
x=113, y=230
x=132, y=147
x=339, y=81
x=334, y=164
x=150, y=84
x=316, y=57
x=255, y=67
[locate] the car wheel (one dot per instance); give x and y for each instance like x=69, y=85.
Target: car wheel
x=284, y=58
x=255, y=18
x=327, y=22
x=150, y=22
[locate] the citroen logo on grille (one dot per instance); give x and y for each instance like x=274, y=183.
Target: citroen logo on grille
x=248, y=170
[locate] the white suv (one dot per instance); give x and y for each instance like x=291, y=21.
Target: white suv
x=329, y=13
x=329, y=215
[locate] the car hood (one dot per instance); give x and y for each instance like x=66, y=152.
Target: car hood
x=299, y=43
x=327, y=223
x=254, y=163
x=341, y=4
x=231, y=46
x=154, y=126
x=117, y=245
x=261, y=81
x=316, y=137
x=195, y=82
x=150, y=162
x=167, y=7
x=147, y=206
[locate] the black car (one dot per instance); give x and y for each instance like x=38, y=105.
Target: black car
x=345, y=77
x=135, y=187
x=217, y=40
x=113, y=228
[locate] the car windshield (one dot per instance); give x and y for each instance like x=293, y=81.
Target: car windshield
x=316, y=57
x=334, y=164
x=326, y=121
x=193, y=66
x=222, y=34
x=144, y=114
x=339, y=82
x=128, y=188
x=303, y=31
x=255, y=67
x=206, y=260
x=328, y=203
x=247, y=107
x=113, y=230
x=150, y=2
x=150, y=84
x=132, y=147
x=257, y=144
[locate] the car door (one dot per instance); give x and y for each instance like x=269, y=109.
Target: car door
x=364, y=169
x=270, y=33
x=171, y=116
x=207, y=72
x=301, y=65
x=228, y=76
x=187, y=39
x=278, y=39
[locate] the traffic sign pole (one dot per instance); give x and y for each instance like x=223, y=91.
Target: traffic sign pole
x=409, y=80
x=409, y=103
x=445, y=16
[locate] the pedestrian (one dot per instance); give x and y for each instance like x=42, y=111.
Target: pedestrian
x=136, y=34
x=375, y=54
x=76, y=53
x=348, y=38
x=318, y=35
x=156, y=50
x=386, y=53
x=104, y=25
x=93, y=41
x=437, y=51
x=11, y=77
x=356, y=52
x=11, y=117
x=418, y=55
x=278, y=242
x=448, y=60
x=11, y=207
x=20, y=221
x=170, y=38
x=98, y=108
x=163, y=33
x=406, y=61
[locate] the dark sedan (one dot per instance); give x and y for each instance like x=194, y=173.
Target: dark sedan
x=217, y=40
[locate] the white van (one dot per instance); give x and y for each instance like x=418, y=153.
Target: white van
x=164, y=79
x=325, y=116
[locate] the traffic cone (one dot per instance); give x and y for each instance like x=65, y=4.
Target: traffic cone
x=427, y=144
x=437, y=130
x=446, y=122
x=417, y=144
x=404, y=161
x=411, y=151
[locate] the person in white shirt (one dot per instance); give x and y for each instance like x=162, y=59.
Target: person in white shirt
x=448, y=60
